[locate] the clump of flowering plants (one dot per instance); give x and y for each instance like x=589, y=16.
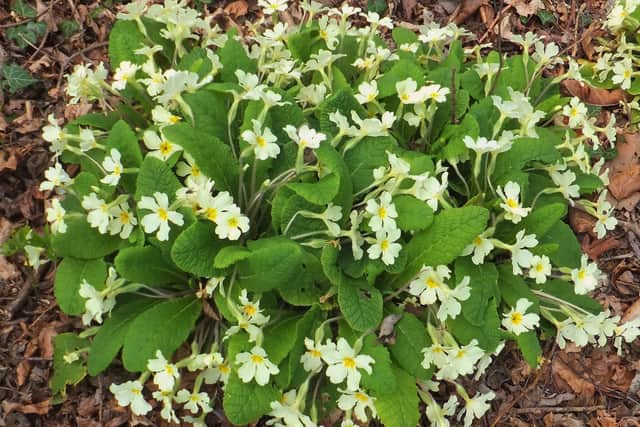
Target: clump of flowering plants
x=338, y=225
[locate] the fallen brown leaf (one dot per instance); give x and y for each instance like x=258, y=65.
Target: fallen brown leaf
x=624, y=170
x=592, y=95
x=580, y=221
x=8, y=160
x=595, y=248
x=466, y=9
x=237, y=8
x=40, y=408
x=633, y=312
x=576, y=383
x=408, y=8
x=526, y=7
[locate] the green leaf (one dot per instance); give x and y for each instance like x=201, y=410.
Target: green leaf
x=27, y=34
x=122, y=138
x=309, y=286
x=330, y=160
x=195, y=249
x=213, y=157
x=292, y=366
x=318, y=193
x=342, y=101
x=233, y=57
x=163, y=327
x=278, y=339
x=381, y=380
x=156, y=176
x=488, y=334
x=24, y=9
x=69, y=276
x=401, y=70
x=82, y=241
x=229, y=255
x=413, y=214
x=16, y=78
x=246, y=403
x=564, y=290
x=452, y=230
x=124, y=39
x=378, y=6
x=360, y=303
x=146, y=265
x=484, y=286
x=400, y=408
x=514, y=287
x=569, y=250
x=208, y=107
x=367, y=155
x=588, y=183
x=402, y=36
x=110, y=336
x=538, y=222
x=411, y=337
x=273, y=263
x=530, y=348
x=66, y=373
x=523, y=151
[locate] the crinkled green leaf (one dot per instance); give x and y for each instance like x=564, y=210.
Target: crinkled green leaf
x=82, y=241
x=110, y=337
x=66, y=373
x=411, y=337
x=400, y=408
x=196, y=247
x=146, y=265
x=70, y=274
x=15, y=78
x=156, y=176
x=246, y=403
x=164, y=327
x=273, y=263
x=452, y=230
x=360, y=303
x=413, y=214
x=483, y=284
x=488, y=334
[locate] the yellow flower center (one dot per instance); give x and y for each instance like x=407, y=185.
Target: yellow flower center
x=136, y=391
x=193, y=397
x=224, y=369
x=323, y=34
x=512, y=203
x=195, y=170
x=165, y=148
x=574, y=112
x=260, y=141
x=315, y=353
x=104, y=207
x=124, y=217
x=117, y=170
x=516, y=318
x=384, y=245
x=382, y=212
x=404, y=97
x=437, y=349
x=257, y=359
x=174, y=119
x=477, y=241
x=162, y=214
x=431, y=283
x=460, y=354
x=582, y=274
x=349, y=363
x=627, y=74
x=539, y=268
x=250, y=309
x=233, y=222
x=212, y=214
x=361, y=397
x=169, y=369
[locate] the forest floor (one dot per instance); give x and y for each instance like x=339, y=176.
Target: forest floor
x=574, y=387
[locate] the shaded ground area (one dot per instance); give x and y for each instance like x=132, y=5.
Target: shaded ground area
x=594, y=387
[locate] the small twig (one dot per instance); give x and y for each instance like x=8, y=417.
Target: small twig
x=21, y=296
x=497, y=19
x=557, y=409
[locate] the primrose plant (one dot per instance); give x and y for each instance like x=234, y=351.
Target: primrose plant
x=310, y=224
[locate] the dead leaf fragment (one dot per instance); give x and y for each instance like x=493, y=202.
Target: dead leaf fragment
x=237, y=8
x=40, y=408
x=624, y=170
x=592, y=95
x=526, y=7
x=633, y=312
x=576, y=383
x=466, y=9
